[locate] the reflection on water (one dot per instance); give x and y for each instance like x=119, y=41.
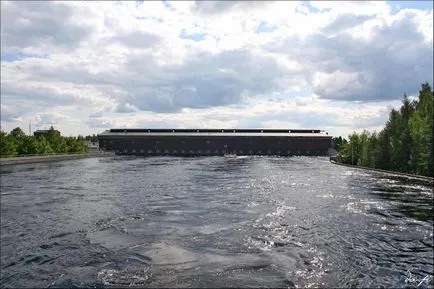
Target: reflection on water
x=213, y=222
x=413, y=199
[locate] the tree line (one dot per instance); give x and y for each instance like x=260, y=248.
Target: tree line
x=404, y=145
x=18, y=143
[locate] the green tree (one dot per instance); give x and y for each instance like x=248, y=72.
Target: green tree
x=364, y=159
x=27, y=145
x=383, y=150
x=80, y=145
x=43, y=146
x=337, y=142
x=7, y=145
x=350, y=152
x=406, y=142
x=57, y=142
x=18, y=143
x=92, y=138
x=373, y=149
x=393, y=129
x=421, y=132
x=404, y=150
x=17, y=133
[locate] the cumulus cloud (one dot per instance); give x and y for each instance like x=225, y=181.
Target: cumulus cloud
x=35, y=26
x=45, y=120
x=219, y=7
x=130, y=63
x=394, y=61
x=9, y=114
x=97, y=114
x=126, y=107
x=135, y=39
x=100, y=123
x=345, y=21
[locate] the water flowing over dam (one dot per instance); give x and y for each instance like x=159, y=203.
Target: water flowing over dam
x=249, y=221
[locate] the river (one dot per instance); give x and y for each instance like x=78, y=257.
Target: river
x=213, y=222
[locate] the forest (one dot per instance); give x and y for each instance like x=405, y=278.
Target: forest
x=18, y=143
x=405, y=144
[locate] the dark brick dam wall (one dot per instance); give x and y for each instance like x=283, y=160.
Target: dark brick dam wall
x=206, y=143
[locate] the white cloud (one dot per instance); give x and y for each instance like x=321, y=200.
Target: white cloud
x=107, y=64
x=126, y=107
x=10, y=113
x=41, y=121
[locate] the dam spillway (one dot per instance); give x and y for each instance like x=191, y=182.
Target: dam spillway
x=215, y=142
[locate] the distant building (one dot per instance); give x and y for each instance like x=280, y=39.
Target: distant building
x=92, y=145
x=43, y=132
x=215, y=142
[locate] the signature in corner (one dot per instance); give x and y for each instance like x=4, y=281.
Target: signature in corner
x=414, y=280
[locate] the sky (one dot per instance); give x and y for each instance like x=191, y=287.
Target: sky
x=84, y=67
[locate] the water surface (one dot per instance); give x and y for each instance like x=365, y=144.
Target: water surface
x=212, y=222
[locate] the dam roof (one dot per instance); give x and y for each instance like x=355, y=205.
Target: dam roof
x=216, y=132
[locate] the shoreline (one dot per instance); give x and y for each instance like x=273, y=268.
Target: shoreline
x=49, y=158
x=425, y=178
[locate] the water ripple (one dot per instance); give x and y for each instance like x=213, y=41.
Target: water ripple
x=213, y=222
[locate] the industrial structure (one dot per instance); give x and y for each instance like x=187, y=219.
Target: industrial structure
x=212, y=142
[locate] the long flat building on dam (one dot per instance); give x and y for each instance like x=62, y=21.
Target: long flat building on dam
x=215, y=142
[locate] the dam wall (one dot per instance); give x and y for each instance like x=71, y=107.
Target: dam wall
x=49, y=158
x=215, y=142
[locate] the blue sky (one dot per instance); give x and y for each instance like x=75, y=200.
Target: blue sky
x=4, y=56
x=85, y=66
x=194, y=36
x=422, y=5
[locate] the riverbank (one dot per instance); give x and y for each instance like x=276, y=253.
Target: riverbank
x=425, y=178
x=50, y=158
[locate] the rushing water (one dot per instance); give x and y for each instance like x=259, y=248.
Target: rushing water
x=213, y=222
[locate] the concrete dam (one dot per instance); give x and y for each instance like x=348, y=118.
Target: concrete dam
x=215, y=142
